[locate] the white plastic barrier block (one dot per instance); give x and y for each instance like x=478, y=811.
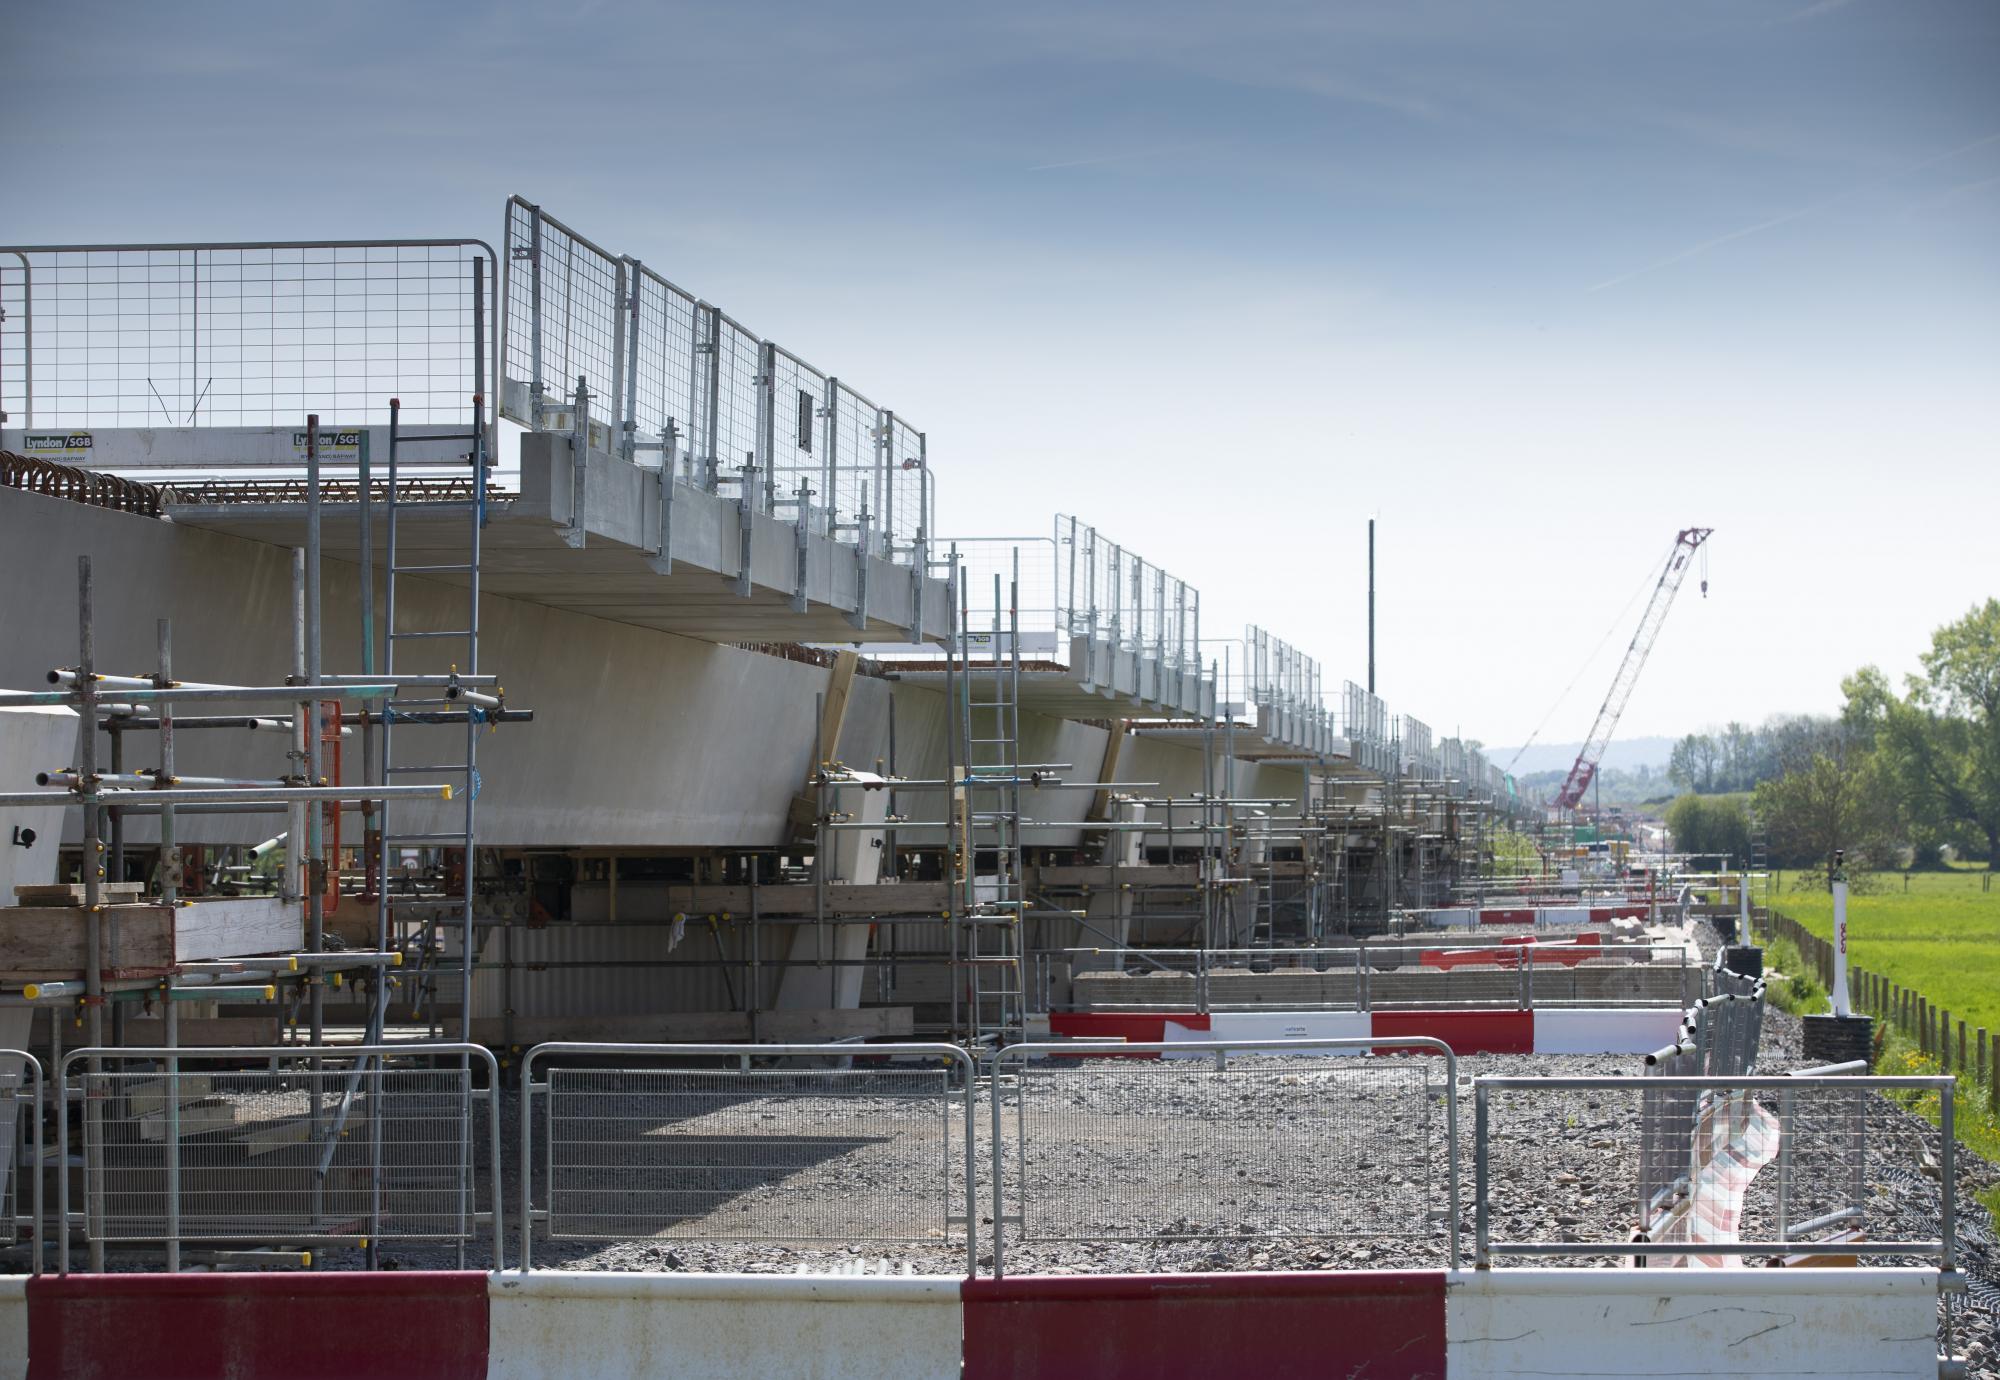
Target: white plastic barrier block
x=13, y=1325
x=604, y=1326
x=1279, y=1025
x=1605, y=1030
x=1758, y=1324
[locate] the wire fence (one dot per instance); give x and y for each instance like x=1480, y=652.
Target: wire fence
x=312, y=1145
x=667, y=373
x=1086, y=1143
x=21, y=1133
x=1117, y=601
x=1283, y=688
x=775, y=1145
x=1090, y=1149
x=1721, y=1168
x=235, y=335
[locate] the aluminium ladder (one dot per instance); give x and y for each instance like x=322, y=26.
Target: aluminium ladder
x=991, y=913
x=438, y=701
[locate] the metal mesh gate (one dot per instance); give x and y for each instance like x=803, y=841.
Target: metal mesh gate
x=1215, y=1145
x=626, y=1142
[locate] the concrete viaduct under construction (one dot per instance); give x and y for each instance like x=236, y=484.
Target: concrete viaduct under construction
x=756, y=754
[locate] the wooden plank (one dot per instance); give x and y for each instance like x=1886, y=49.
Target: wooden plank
x=881, y=898
x=140, y=940
x=144, y=1099
x=196, y=1031
x=1099, y=874
x=236, y=927
x=702, y=1026
x=275, y=1135
x=804, y=814
x=49, y=941
x=199, y=1119
x=1107, y=770
x=71, y=893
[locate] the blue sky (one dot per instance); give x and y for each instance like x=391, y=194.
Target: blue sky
x=1538, y=283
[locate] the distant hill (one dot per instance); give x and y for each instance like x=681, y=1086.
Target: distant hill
x=1628, y=753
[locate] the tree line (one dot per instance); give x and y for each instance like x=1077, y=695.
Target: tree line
x=1894, y=779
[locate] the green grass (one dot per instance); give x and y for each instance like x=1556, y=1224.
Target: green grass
x=1789, y=985
x=1941, y=937
x=1937, y=933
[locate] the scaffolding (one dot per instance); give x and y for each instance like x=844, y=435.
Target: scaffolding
x=319, y=714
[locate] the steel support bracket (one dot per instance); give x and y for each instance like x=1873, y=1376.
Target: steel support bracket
x=801, y=552
x=859, y=617
x=663, y=555
x=579, y=470
x=746, y=528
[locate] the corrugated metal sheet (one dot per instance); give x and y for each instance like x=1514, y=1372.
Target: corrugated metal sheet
x=621, y=970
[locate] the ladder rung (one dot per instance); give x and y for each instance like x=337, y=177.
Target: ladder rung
x=408, y=569
x=458, y=837
x=448, y=632
x=442, y=766
x=432, y=440
x=441, y=505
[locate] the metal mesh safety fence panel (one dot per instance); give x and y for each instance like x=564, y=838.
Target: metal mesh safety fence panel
x=799, y=459
x=651, y=354
x=236, y=335
x=1685, y=1169
x=1244, y=1147
x=563, y=310
x=630, y=1143
x=308, y=1146
x=667, y=381
x=21, y=1134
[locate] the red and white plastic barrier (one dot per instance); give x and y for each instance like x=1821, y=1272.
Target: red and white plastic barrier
x=1507, y=953
x=1469, y=917
x=1557, y=1030
x=1393, y=1325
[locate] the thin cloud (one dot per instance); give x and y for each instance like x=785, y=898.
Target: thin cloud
x=1812, y=12
x=1116, y=157
x=1692, y=251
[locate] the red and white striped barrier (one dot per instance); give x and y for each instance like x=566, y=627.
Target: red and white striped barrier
x=1558, y=1030
x=1507, y=953
x=1393, y=1325
x=1468, y=917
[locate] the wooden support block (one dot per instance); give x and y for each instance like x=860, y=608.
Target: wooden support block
x=697, y=1027
x=275, y=1135
x=150, y=1097
x=72, y=893
x=203, y=1118
x=148, y=939
x=199, y=1031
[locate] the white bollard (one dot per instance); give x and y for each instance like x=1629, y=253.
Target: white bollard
x=1840, y=1006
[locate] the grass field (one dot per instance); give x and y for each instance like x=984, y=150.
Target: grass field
x=1940, y=938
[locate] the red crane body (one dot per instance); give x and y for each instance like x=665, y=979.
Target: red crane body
x=1585, y=771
